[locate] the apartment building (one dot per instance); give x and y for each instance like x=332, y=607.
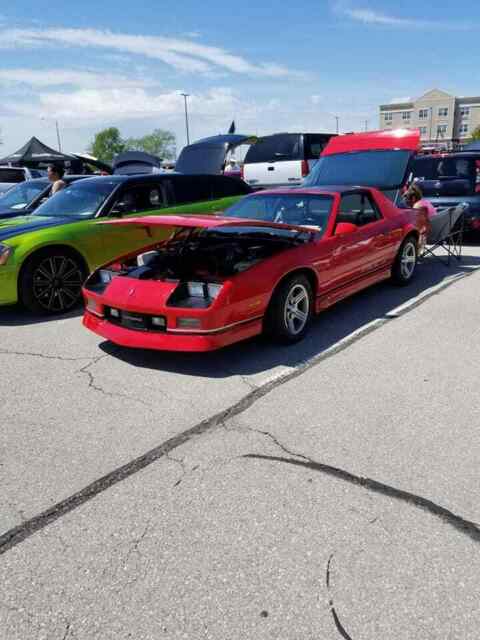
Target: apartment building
x=444, y=121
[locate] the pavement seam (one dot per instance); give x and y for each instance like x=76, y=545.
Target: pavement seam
x=21, y=532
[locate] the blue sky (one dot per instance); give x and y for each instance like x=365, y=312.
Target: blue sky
x=271, y=66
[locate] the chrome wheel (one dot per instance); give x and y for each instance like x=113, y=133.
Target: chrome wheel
x=57, y=283
x=408, y=260
x=297, y=309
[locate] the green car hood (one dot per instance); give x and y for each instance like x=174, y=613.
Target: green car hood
x=25, y=224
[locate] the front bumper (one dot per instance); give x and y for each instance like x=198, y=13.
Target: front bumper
x=8, y=285
x=169, y=341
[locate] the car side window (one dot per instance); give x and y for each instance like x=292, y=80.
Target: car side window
x=358, y=208
x=141, y=197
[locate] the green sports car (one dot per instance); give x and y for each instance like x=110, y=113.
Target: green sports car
x=46, y=256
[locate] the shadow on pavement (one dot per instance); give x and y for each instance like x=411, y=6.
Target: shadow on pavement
x=17, y=316
x=257, y=355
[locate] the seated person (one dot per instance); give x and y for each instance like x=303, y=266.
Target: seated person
x=414, y=199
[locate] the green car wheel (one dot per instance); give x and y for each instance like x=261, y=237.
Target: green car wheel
x=51, y=281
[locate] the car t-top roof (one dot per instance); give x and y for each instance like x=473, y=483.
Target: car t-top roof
x=397, y=139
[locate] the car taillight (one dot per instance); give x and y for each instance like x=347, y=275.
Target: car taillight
x=305, y=168
x=242, y=172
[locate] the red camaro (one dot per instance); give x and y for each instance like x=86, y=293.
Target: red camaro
x=268, y=264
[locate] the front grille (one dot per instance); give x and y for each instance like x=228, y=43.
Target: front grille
x=135, y=321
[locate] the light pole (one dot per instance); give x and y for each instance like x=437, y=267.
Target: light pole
x=337, y=118
x=185, y=96
x=58, y=136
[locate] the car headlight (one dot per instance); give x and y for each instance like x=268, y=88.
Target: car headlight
x=203, y=289
x=5, y=253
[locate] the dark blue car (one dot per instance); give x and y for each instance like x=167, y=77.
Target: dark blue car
x=25, y=197
x=448, y=179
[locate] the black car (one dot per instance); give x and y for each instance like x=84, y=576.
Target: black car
x=448, y=179
x=24, y=198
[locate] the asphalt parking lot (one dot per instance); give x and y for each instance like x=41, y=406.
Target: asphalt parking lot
x=319, y=491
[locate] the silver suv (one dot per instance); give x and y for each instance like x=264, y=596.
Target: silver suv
x=10, y=176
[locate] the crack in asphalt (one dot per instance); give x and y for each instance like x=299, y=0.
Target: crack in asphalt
x=26, y=529
x=340, y=628
x=95, y=387
x=33, y=354
x=467, y=527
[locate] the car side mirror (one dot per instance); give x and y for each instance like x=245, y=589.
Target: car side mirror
x=344, y=228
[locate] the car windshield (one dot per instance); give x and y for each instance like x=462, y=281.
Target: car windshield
x=292, y=208
x=79, y=200
x=381, y=169
x=20, y=196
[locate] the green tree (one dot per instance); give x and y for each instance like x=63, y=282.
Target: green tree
x=475, y=135
x=159, y=143
x=106, y=144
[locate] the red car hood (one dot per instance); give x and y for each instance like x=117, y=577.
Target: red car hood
x=405, y=139
x=204, y=222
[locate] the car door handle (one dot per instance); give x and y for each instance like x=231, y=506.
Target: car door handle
x=271, y=168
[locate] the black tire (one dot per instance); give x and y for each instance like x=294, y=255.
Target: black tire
x=281, y=323
x=51, y=281
x=405, y=263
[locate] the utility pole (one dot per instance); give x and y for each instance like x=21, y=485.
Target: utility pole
x=366, y=125
x=185, y=96
x=58, y=136
x=337, y=118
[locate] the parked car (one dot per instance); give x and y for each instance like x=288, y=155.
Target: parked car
x=46, y=256
x=268, y=264
x=282, y=159
x=10, y=176
x=25, y=197
x=449, y=179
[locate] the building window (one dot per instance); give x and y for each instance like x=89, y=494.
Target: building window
x=423, y=132
x=443, y=112
x=406, y=115
x=465, y=112
x=423, y=114
x=464, y=129
x=388, y=116
x=442, y=130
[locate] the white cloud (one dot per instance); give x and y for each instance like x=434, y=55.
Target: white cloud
x=84, y=79
x=373, y=17
x=183, y=55
x=401, y=99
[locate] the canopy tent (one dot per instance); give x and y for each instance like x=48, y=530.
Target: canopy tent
x=34, y=153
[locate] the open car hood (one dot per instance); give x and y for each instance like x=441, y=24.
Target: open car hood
x=207, y=156
x=398, y=139
x=207, y=222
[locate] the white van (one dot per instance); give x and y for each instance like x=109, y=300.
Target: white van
x=282, y=159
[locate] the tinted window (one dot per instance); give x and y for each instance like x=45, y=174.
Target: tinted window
x=11, y=175
x=357, y=208
x=446, y=175
x=20, y=196
x=284, y=146
x=224, y=187
x=298, y=209
x=191, y=189
x=314, y=144
x=383, y=169
x=81, y=199
x=141, y=197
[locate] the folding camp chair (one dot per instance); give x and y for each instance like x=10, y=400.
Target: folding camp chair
x=446, y=234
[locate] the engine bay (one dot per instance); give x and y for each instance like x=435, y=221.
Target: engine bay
x=206, y=255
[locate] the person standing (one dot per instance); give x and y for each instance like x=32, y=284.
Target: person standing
x=55, y=175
